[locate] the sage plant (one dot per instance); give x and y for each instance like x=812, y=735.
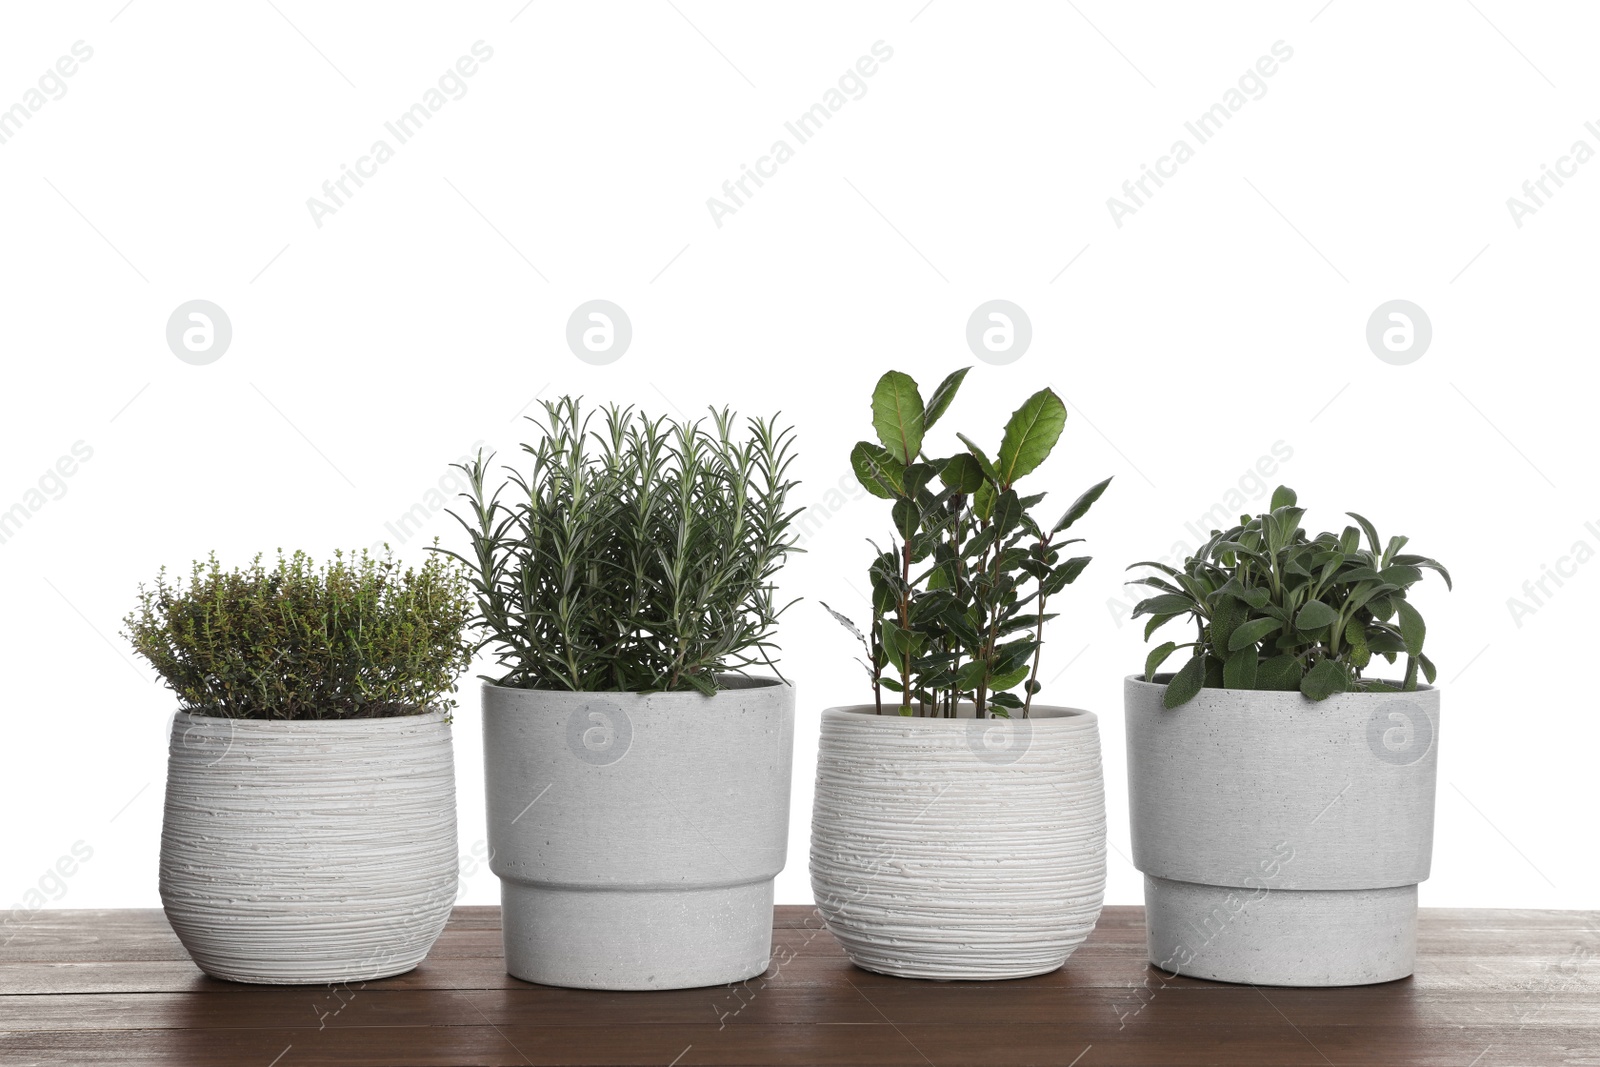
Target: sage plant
x=1275, y=609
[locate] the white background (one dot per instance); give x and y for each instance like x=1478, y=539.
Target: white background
x=1228, y=314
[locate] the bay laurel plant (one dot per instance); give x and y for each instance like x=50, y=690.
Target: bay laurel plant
x=631, y=554
x=357, y=638
x=960, y=590
x=1274, y=609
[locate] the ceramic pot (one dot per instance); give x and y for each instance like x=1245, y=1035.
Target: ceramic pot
x=309, y=851
x=637, y=835
x=1282, y=839
x=959, y=848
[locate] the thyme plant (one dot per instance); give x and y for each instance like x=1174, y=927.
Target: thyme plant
x=1275, y=609
x=634, y=555
x=357, y=638
x=959, y=596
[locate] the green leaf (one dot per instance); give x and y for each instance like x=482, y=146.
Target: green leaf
x=917, y=477
x=1279, y=673
x=1030, y=435
x=845, y=621
x=1166, y=604
x=983, y=501
x=1064, y=575
x=1251, y=632
x=1156, y=658
x=1396, y=543
x=940, y=400
x=1423, y=561
x=1355, y=635
x=1412, y=628
x=971, y=673
x=881, y=474
x=1156, y=622
x=1400, y=575
x=907, y=518
x=1428, y=670
x=1080, y=506
x=1226, y=614
x=894, y=642
x=1314, y=616
x=983, y=461
x=1372, y=531
x=962, y=474
x=1186, y=683
x=1324, y=680
x=897, y=415
x=1007, y=511
x=1162, y=567
x=1008, y=681
x=1282, y=497
x=1383, y=641
x=1255, y=596
x=1239, y=672
x=704, y=683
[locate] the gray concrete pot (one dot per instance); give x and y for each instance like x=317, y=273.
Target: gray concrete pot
x=959, y=848
x=309, y=851
x=636, y=836
x=1282, y=839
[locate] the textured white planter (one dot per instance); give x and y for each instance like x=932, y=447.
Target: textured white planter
x=636, y=836
x=309, y=851
x=959, y=848
x=1282, y=839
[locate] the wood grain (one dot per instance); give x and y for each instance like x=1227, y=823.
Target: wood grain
x=1492, y=989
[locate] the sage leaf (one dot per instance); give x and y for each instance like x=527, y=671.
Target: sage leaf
x=1252, y=632
x=1323, y=680
x=1186, y=683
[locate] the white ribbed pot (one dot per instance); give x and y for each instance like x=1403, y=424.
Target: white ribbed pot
x=1282, y=839
x=309, y=851
x=959, y=848
x=637, y=835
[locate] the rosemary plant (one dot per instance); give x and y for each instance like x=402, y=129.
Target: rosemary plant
x=635, y=555
x=357, y=638
x=959, y=598
x=1275, y=609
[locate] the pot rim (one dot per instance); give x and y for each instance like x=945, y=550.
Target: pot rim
x=745, y=683
x=1166, y=676
x=1058, y=714
x=434, y=713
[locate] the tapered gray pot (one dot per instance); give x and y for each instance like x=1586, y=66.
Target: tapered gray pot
x=637, y=835
x=1282, y=839
x=959, y=849
x=309, y=851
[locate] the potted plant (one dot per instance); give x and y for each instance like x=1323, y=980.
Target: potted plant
x=638, y=780
x=310, y=831
x=959, y=824
x=1281, y=797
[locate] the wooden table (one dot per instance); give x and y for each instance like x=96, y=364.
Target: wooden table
x=1492, y=989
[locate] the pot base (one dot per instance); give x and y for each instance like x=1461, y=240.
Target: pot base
x=1282, y=937
x=636, y=938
